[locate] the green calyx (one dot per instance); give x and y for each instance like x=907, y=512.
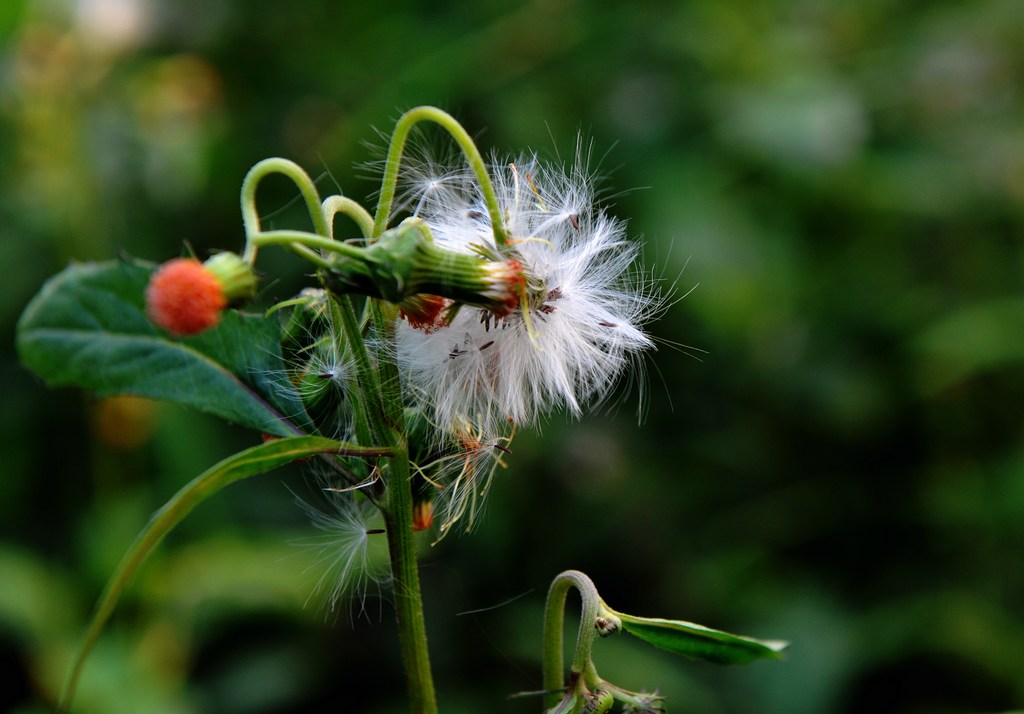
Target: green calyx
x=405, y=262
x=236, y=277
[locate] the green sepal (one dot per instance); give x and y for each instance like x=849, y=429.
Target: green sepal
x=405, y=262
x=699, y=642
x=235, y=275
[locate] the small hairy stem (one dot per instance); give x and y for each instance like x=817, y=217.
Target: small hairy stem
x=465, y=142
x=554, y=617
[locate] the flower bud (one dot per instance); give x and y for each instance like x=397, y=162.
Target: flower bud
x=186, y=297
x=607, y=625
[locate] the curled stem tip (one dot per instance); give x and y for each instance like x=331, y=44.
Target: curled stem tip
x=554, y=615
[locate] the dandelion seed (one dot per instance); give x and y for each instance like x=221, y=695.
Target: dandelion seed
x=325, y=370
x=464, y=474
x=320, y=368
x=344, y=551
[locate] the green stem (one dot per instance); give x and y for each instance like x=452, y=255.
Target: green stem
x=381, y=401
x=301, y=238
x=554, y=617
x=465, y=142
x=370, y=425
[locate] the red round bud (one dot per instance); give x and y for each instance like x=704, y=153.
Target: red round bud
x=184, y=298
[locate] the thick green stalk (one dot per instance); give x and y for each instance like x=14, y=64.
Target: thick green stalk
x=465, y=142
x=385, y=418
x=412, y=629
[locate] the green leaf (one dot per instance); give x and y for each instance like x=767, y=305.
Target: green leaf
x=257, y=460
x=87, y=327
x=699, y=642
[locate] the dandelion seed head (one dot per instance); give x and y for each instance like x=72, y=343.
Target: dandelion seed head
x=581, y=322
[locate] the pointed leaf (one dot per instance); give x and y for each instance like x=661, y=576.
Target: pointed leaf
x=87, y=327
x=699, y=642
x=257, y=460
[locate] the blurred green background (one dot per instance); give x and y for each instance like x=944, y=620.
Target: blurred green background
x=843, y=466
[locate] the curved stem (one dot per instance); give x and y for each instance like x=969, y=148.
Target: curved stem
x=251, y=218
x=333, y=205
x=465, y=142
x=554, y=616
